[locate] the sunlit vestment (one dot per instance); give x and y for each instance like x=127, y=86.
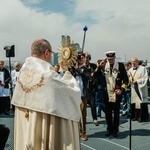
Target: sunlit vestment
x=52, y=105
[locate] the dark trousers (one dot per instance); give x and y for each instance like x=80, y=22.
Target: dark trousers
x=4, y=133
x=112, y=111
x=91, y=99
x=140, y=114
x=83, y=107
x=99, y=102
x=4, y=104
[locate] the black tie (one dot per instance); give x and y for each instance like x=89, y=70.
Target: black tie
x=111, y=66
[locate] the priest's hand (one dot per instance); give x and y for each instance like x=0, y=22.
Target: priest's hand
x=103, y=62
x=2, y=83
x=118, y=92
x=134, y=82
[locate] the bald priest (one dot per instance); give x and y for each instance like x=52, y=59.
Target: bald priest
x=47, y=108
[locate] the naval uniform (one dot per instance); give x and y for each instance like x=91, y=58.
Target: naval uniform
x=112, y=77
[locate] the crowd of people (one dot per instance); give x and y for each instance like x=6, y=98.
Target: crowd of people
x=54, y=103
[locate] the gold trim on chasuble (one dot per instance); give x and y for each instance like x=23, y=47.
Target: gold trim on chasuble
x=28, y=78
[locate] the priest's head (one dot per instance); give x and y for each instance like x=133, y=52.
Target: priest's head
x=42, y=49
x=135, y=62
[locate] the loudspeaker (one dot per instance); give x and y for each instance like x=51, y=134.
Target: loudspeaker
x=11, y=51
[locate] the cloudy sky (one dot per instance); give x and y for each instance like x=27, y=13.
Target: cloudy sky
x=120, y=25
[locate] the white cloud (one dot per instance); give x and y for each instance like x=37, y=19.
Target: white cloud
x=32, y=1
x=21, y=25
x=119, y=25
x=112, y=25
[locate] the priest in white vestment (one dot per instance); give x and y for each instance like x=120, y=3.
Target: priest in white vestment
x=47, y=108
x=139, y=91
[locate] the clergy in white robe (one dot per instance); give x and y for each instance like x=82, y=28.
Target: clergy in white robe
x=15, y=73
x=47, y=109
x=139, y=91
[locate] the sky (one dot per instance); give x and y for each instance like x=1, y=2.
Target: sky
x=118, y=25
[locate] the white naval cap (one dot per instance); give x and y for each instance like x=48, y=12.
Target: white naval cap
x=110, y=54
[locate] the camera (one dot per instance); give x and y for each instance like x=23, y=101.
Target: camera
x=79, y=57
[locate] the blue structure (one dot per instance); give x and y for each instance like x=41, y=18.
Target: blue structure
x=54, y=59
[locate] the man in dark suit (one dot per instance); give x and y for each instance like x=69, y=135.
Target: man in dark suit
x=114, y=80
x=90, y=85
x=5, y=78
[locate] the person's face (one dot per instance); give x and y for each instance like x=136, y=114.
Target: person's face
x=18, y=66
x=1, y=65
x=102, y=64
x=127, y=67
x=56, y=68
x=47, y=55
x=111, y=61
x=134, y=63
x=87, y=60
x=81, y=60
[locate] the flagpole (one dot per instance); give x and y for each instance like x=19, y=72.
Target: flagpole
x=84, y=29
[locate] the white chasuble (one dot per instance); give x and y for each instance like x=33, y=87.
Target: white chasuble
x=111, y=75
x=41, y=131
x=52, y=105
